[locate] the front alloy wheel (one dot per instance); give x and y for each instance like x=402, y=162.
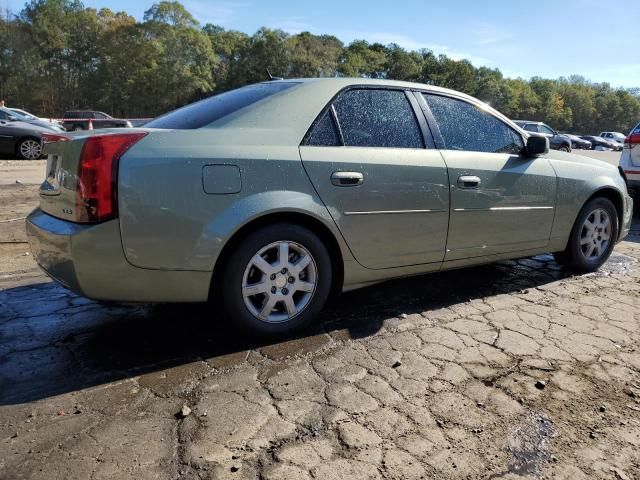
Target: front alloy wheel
x=30, y=149
x=593, y=236
x=276, y=280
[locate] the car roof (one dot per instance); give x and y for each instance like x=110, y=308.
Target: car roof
x=348, y=81
x=303, y=103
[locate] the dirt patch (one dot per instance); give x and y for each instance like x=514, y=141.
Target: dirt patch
x=16, y=201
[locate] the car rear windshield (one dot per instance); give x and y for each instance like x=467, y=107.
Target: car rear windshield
x=214, y=108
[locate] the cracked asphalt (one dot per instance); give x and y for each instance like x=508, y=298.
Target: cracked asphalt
x=511, y=370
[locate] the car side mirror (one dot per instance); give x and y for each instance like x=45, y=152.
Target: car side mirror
x=537, y=145
x=11, y=118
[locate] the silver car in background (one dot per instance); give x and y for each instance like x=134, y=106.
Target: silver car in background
x=11, y=115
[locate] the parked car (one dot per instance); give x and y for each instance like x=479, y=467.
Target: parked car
x=269, y=198
x=616, y=137
x=578, y=143
x=630, y=160
x=21, y=139
x=600, y=142
x=557, y=141
x=31, y=116
x=79, y=120
x=10, y=115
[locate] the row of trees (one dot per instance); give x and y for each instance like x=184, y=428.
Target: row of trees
x=57, y=54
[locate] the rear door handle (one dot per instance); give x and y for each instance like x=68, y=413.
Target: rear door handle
x=468, y=181
x=347, y=179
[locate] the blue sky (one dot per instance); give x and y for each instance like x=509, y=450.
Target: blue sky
x=600, y=40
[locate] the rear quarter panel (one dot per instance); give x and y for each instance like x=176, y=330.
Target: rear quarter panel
x=167, y=219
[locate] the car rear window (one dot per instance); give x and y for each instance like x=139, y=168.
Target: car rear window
x=209, y=110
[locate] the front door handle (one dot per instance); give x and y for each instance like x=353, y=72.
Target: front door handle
x=347, y=179
x=468, y=181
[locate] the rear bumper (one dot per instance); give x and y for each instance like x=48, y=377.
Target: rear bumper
x=627, y=217
x=88, y=259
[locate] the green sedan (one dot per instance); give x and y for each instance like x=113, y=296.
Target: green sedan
x=272, y=197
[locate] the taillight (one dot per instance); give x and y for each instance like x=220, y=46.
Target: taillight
x=53, y=138
x=97, y=190
x=632, y=140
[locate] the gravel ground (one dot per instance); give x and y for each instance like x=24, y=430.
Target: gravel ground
x=512, y=370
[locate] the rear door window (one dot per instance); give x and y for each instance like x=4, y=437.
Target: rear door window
x=377, y=118
x=464, y=126
x=209, y=110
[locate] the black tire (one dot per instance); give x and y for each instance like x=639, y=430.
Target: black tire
x=573, y=257
x=77, y=128
x=565, y=148
x=234, y=270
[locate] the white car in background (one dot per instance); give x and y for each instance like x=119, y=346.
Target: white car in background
x=31, y=116
x=630, y=160
x=614, y=136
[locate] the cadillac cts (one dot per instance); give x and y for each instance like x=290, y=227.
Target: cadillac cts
x=271, y=197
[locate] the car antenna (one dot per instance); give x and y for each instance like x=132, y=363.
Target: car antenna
x=272, y=78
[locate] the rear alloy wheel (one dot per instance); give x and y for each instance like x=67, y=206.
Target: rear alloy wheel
x=565, y=148
x=30, y=149
x=593, y=236
x=277, y=280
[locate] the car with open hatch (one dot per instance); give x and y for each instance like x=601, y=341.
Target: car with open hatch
x=269, y=198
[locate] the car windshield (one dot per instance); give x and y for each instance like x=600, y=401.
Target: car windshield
x=209, y=110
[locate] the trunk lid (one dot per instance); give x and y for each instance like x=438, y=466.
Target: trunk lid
x=76, y=183
x=58, y=191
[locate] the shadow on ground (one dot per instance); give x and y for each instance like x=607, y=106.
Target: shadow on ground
x=52, y=342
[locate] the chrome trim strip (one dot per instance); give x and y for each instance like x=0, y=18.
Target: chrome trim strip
x=500, y=209
x=387, y=212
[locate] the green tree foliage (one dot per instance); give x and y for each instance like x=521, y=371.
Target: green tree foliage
x=170, y=13
x=57, y=55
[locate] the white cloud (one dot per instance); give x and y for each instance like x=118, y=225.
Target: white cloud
x=411, y=44
x=218, y=13
x=292, y=25
x=489, y=34
x=621, y=75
